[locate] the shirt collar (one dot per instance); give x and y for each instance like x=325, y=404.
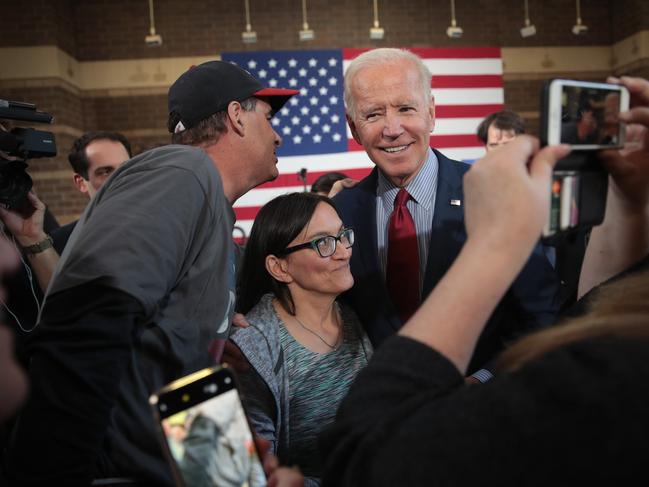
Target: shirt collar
x=421, y=188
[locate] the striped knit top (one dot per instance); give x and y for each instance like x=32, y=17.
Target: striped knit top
x=317, y=384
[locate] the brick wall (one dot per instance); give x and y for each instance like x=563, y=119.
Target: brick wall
x=116, y=29
x=627, y=17
x=38, y=22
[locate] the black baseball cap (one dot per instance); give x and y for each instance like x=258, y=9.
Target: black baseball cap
x=208, y=88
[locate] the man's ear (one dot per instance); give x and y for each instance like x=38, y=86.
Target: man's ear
x=431, y=111
x=234, y=113
x=278, y=269
x=352, y=128
x=80, y=183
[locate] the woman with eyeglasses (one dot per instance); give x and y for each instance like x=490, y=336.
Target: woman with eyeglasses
x=304, y=347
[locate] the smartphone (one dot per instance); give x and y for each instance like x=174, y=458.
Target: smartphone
x=205, y=433
x=577, y=198
x=583, y=114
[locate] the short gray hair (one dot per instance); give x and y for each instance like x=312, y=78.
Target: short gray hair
x=378, y=57
x=208, y=131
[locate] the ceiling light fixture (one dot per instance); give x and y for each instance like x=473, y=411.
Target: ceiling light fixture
x=454, y=31
x=306, y=34
x=376, y=33
x=248, y=36
x=529, y=29
x=579, y=28
x=153, y=39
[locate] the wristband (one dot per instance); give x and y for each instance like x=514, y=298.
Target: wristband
x=39, y=247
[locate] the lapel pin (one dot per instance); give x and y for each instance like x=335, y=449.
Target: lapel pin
x=456, y=203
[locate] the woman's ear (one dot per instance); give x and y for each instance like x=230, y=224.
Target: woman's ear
x=278, y=269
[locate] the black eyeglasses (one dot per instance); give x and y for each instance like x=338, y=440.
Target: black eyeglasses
x=326, y=246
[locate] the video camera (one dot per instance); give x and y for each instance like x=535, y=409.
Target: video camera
x=18, y=145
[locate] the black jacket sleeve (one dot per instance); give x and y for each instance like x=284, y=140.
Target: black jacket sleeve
x=574, y=415
x=78, y=355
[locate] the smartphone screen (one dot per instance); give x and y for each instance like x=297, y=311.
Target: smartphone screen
x=206, y=432
x=584, y=114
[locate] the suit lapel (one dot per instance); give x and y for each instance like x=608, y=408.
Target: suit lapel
x=365, y=261
x=447, y=232
x=366, y=255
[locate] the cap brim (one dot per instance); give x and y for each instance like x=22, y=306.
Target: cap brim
x=276, y=96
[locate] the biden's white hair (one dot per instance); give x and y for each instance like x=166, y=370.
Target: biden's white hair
x=380, y=57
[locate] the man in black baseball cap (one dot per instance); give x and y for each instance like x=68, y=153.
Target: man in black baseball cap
x=150, y=269
x=221, y=108
x=210, y=87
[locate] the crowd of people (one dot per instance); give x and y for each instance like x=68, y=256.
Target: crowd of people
x=400, y=330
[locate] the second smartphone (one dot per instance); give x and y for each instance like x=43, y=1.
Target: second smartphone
x=205, y=432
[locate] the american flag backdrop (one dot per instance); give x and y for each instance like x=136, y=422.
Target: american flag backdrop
x=467, y=86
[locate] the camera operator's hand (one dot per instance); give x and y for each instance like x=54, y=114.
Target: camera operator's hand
x=26, y=225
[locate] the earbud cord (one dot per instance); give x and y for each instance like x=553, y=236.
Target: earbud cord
x=31, y=286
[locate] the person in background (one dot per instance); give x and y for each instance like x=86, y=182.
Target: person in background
x=304, y=348
x=332, y=183
x=499, y=128
x=94, y=157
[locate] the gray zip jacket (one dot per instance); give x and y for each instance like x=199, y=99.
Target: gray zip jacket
x=265, y=388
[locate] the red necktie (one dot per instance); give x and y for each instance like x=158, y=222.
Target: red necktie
x=402, y=273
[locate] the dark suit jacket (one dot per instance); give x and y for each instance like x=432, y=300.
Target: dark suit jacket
x=529, y=304
x=61, y=235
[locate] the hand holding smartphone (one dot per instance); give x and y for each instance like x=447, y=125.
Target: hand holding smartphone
x=584, y=115
x=205, y=433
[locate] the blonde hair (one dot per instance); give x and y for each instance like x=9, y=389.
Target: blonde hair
x=379, y=57
x=619, y=310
